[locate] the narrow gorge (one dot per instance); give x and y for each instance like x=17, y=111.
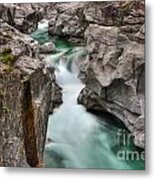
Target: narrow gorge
x=72, y=85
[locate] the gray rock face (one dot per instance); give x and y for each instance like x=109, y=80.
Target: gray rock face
x=28, y=93
x=114, y=73
x=24, y=17
x=68, y=20
x=72, y=19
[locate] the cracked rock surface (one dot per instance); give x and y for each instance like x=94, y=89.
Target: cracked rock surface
x=28, y=93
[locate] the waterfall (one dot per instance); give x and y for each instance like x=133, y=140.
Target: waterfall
x=78, y=141
x=75, y=137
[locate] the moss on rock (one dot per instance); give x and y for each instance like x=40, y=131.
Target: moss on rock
x=6, y=57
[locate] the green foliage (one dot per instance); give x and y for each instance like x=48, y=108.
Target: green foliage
x=6, y=57
x=1, y=94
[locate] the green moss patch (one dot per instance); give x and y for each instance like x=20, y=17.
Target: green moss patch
x=1, y=94
x=6, y=57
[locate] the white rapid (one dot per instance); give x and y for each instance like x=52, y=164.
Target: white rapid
x=78, y=139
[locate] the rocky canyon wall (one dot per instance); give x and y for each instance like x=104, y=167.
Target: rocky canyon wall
x=28, y=93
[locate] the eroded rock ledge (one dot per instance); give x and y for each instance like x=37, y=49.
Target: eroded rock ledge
x=114, y=75
x=73, y=18
x=114, y=71
x=28, y=93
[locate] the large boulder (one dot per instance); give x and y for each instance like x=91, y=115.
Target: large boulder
x=114, y=72
x=67, y=20
x=47, y=47
x=28, y=93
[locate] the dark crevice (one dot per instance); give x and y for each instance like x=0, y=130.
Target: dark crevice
x=29, y=126
x=108, y=118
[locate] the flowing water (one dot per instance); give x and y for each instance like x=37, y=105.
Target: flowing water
x=77, y=138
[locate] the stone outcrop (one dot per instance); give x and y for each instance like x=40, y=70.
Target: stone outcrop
x=114, y=77
x=24, y=17
x=114, y=72
x=46, y=48
x=28, y=93
x=67, y=20
x=72, y=19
